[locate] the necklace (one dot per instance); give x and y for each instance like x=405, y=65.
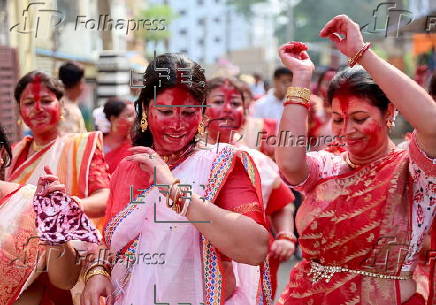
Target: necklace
x=354, y=165
x=348, y=161
x=38, y=147
x=175, y=159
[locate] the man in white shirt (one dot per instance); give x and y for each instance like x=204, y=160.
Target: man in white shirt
x=270, y=106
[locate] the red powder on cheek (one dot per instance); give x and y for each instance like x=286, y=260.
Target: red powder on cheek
x=344, y=103
x=373, y=132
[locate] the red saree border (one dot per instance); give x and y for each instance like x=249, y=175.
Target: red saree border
x=17, y=151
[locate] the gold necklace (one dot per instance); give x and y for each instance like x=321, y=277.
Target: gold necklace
x=37, y=147
x=354, y=165
x=348, y=161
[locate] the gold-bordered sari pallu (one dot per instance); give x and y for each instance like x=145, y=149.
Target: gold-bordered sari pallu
x=360, y=220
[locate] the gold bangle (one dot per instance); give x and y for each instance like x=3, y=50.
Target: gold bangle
x=303, y=93
x=96, y=272
x=176, y=181
x=94, y=266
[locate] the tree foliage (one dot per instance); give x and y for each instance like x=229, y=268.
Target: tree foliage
x=157, y=12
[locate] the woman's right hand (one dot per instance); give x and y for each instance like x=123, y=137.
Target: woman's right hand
x=294, y=56
x=96, y=287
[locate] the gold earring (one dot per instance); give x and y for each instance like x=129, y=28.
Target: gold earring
x=200, y=129
x=19, y=122
x=390, y=124
x=144, y=123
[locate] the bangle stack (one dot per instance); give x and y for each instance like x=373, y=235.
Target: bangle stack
x=298, y=96
x=179, y=204
x=286, y=236
x=353, y=61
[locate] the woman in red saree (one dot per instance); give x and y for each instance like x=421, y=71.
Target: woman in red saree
x=75, y=158
x=225, y=118
x=24, y=251
x=117, y=142
x=367, y=210
x=191, y=244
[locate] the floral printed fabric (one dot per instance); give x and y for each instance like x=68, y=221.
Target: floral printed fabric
x=59, y=219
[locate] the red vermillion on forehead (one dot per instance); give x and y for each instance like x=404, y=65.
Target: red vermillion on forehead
x=176, y=96
x=36, y=88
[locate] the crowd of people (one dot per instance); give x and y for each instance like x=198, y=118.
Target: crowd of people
x=174, y=200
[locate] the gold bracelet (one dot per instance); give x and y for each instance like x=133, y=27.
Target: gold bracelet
x=303, y=93
x=96, y=272
x=176, y=181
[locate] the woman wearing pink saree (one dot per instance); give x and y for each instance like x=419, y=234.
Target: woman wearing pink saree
x=181, y=248
x=367, y=210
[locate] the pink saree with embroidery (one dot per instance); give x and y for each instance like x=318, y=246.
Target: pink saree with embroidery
x=369, y=220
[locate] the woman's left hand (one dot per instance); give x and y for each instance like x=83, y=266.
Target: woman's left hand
x=49, y=183
x=149, y=160
x=345, y=33
x=282, y=249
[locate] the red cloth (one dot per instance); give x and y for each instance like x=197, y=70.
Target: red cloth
x=98, y=176
x=114, y=157
x=280, y=197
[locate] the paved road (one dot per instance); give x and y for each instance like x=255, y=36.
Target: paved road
x=283, y=276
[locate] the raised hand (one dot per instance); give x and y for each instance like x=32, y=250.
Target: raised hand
x=48, y=183
x=294, y=56
x=345, y=33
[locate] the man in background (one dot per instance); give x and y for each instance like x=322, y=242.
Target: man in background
x=72, y=75
x=270, y=106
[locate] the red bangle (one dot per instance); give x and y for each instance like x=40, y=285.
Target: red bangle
x=291, y=102
x=287, y=236
x=353, y=61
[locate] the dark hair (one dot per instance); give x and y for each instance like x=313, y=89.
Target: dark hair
x=322, y=75
x=281, y=71
x=432, y=87
x=222, y=81
x=5, y=144
x=50, y=83
x=70, y=73
x=113, y=107
x=166, y=71
x=357, y=82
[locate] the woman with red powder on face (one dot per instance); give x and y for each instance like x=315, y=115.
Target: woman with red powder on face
x=226, y=116
x=117, y=142
x=367, y=210
x=150, y=211
x=24, y=250
x=75, y=158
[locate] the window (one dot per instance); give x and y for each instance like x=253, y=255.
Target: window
x=183, y=32
x=200, y=21
x=201, y=42
x=183, y=51
x=217, y=39
x=182, y=12
x=200, y=2
x=217, y=19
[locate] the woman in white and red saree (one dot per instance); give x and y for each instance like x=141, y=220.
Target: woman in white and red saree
x=369, y=209
x=75, y=158
x=182, y=247
x=225, y=118
x=34, y=235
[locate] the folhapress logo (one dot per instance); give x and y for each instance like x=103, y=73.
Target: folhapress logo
x=39, y=14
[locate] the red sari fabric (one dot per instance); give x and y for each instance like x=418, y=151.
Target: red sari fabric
x=359, y=220
x=114, y=157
